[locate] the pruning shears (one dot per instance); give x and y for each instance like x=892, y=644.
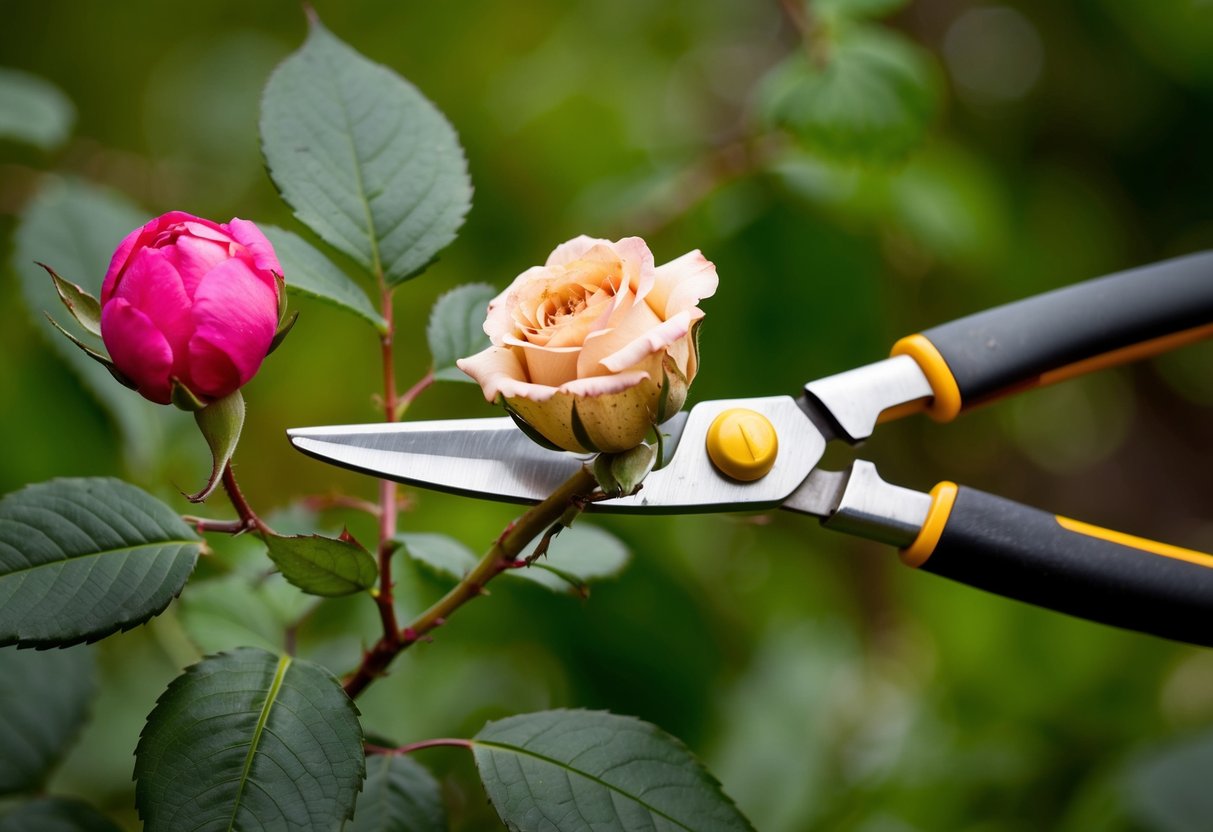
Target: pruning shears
x=758, y=453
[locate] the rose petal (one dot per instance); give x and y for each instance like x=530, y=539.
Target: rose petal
x=552, y=417
x=638, y=264
x=574, y=331
x=205, y=229
x=122, y=255
x=682, y=283
x=604, y=385
x=261, y=250
x=152, y=285
x=193, y=257
x=602, y=405
x=138, y=349
x=654, y=341
x=499, y=321
x=235, y=315
x=574, y=249
x=499, y=371
x=620, y=412
x=214, y=373
x=633, y=324
x=682, y=351
x=552, y=366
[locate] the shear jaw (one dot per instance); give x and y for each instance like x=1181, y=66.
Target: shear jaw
x=856, y=398
x=856, y=499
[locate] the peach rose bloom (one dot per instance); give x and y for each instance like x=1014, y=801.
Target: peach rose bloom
x=595, y=347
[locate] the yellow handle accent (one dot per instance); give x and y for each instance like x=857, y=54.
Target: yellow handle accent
x=1133, y=352
x=946, y=404
x=1145, y=545
x=742, y=444
x=943, y=496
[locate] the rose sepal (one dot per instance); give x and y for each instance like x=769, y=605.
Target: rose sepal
x=85, y=308
x=284, y=329
x=526, y=427
x=622, y=473
x=220, y=423
x=581, y=433
x=101, y=359
x=183, y=398
x=286, y=321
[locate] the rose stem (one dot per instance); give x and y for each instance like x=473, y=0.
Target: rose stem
x=417, y=746
x=247, y=516
x=387, y=488
x=205, y=524
x=500, y=557
x=406, y=398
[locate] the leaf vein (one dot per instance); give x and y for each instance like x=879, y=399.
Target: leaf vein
x=284, y=663
x=567, y=768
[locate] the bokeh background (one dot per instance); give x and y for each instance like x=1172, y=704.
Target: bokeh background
x=826, y=685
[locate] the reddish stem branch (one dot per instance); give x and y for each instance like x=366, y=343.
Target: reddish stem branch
x=205, y=524
x=247, y=516
x=387, y=488
x=502, y=555
x=406, y=398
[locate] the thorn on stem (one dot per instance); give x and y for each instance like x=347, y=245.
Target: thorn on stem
x=506, y=531
x=545, y=542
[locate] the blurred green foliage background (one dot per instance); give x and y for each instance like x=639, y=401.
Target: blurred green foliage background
x=827, y=686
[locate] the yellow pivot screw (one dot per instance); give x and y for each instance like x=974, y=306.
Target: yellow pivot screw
x=742, y=444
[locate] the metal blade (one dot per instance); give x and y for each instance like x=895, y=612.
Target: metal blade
x=485, y=458
x=493, y=459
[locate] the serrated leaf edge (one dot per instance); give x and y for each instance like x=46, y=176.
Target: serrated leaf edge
x=650, y=727
x=92, y=637
x=192, y=670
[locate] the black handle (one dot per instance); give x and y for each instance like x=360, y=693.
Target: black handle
x=1105, y=321
x=1019, y=552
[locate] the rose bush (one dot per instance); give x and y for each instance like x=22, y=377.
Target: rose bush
x=192, y=302
x=597, y=345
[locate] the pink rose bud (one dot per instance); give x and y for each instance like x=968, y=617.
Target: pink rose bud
x=597, y=346
x=191, y=302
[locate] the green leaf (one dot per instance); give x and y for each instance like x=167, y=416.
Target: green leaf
x=444, y=554
x=44, y=700
x=250, y=740
x=588, y=770
x=56, y=814
x=220, y=422
x=83, y=558
x=400, y=795
x=836, y=9
x=310, y=273
x=75, y=227
x=363, y=158
x=322, y=565
x=33, y=110
x=456, y=328
x=871, y=101
x=580, y=554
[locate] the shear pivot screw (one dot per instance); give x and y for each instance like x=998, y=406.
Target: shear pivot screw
x=742, y=444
